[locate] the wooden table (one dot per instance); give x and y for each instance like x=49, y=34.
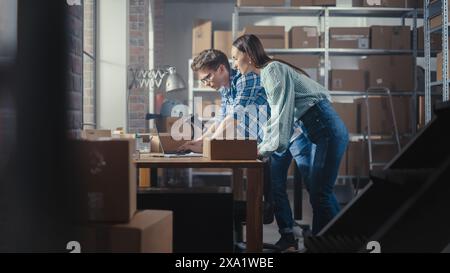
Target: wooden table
x=255, y=176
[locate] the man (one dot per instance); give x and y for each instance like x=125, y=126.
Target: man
x=243, y=100
x=244, y=91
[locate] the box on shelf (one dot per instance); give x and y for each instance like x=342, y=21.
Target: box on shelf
x=304, y=37
x=390, y=37
x=348, y=80
x=201, y=36
x=421, y=108
x=439, y=66
x=309, y=63
x=393, y=72
x=344, y=37
x=349, y=114
x=270, y=36
x=223, y=41
x=229, y=149
x=381, y=118
x=436, y=40
x=105, y=177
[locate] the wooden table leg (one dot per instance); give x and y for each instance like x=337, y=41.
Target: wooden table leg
x=254, y=222
x=144, y=178
x=238, y=184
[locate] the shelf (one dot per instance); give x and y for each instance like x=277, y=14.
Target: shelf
x=363, y=52
x=372, y=12
x=374, y=137
x=304, y=11
x=436, y=30
x=334, y=11
x=312, y=51
x=437, y=83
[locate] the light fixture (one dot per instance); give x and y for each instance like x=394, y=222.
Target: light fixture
x=174, y=81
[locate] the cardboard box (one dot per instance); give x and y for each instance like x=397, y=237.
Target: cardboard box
x=348, y=80
x=224, y=149
x=386, y=3
x=439, y=66
x=381, y=121
x=149, y=231
x=302, y=3
x=357, y=37
x=394, y=72
x=201, y=36
x=356, y=159
x=105, y=177
x=436, y=40
x=349, y=114
x=223, y=41
x=256, y=3
x=270, y=36
x=324, y=2
x=390, y=37
x=304, y=37
x=436, y=21
x=94, y=134
x=421, y=107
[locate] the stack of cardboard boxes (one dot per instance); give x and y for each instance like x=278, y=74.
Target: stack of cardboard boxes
x=105, y=192
x=393, y=72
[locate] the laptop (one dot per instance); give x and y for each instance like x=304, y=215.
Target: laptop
x=169, y=146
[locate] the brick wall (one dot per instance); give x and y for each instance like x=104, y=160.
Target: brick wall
x=74, y=72
x=138, y=57
x=158, y=30
x=89, y=65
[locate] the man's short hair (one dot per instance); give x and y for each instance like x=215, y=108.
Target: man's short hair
x=210, y=59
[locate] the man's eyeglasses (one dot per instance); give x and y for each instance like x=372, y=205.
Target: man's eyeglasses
x=208, y=78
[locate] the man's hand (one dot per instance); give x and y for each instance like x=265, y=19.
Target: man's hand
x=195, y=146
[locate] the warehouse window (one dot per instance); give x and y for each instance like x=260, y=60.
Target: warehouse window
x=89, y=64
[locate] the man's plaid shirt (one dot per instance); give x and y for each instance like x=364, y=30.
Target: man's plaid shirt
x=246, y=100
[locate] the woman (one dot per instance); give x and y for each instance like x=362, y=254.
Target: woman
x=293, y=97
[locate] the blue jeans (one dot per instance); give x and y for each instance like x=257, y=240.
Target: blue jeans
x=324, y=128
x=302, y=150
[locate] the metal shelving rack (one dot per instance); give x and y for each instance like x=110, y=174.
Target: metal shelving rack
x=439, y=7
x=324, y=14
